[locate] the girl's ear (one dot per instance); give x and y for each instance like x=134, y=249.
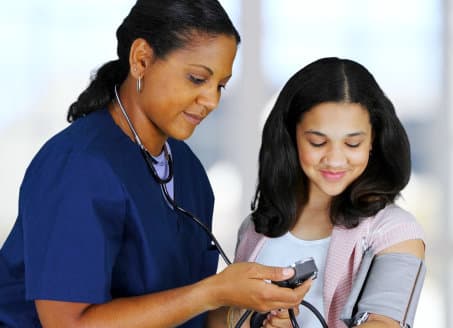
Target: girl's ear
x=372, y=140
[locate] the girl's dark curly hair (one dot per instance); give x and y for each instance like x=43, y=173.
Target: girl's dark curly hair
x=166, y=25
x=282, y=185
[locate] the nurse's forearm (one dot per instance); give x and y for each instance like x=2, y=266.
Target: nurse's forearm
x=164, y=309
x=242, y=285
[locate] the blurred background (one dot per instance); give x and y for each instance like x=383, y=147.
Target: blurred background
x=51, y=47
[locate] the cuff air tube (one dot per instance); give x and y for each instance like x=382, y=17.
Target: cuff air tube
x=388, y=285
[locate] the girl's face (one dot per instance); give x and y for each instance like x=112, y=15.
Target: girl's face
x=334, y=141
x=180, y=90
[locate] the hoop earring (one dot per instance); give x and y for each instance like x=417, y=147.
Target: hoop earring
x=139, y=84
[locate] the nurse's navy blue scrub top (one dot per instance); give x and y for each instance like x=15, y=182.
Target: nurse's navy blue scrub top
x=93, y=225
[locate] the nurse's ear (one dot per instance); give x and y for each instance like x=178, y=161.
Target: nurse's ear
x=141, y=57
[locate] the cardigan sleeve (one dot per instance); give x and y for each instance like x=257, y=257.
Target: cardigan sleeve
x=247, y=240
x=241, y=251
x=393, y=225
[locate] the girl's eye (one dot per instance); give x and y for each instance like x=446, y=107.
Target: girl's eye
x=353, y=145
x=196, y=80
x=317, y=144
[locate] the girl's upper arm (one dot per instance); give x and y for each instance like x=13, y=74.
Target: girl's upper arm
x=415, y=247
x=379, y=321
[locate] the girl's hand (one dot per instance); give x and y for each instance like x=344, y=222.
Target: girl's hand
x=279, y=318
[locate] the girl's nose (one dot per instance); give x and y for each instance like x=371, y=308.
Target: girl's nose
x=335, y=158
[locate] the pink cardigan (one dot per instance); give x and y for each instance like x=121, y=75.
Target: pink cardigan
x=389, y=226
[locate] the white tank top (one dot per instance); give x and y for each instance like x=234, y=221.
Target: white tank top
x=287, y=249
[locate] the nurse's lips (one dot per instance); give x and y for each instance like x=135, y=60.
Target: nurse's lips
x=193, y=118
x=333, y=175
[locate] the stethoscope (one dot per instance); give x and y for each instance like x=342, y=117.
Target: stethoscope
x=150, y=162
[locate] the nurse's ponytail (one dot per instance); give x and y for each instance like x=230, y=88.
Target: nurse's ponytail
x=100, y=91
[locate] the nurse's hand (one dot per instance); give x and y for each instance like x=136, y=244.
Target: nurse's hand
x=246, y=285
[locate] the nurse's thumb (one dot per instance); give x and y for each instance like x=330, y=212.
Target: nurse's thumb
x=275, y=273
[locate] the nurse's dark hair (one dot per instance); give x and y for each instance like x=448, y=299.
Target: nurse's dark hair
x=166, y=25
x=282, y=189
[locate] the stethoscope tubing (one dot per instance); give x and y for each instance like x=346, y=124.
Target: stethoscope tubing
x=163, y=185
x=163, y=181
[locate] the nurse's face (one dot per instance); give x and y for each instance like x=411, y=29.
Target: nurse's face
x=180, y=90
x=334, y=142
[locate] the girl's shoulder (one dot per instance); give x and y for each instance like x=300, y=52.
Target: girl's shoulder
x=390, y=216
x=391, y=225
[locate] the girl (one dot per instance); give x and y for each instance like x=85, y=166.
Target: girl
x=334, y=157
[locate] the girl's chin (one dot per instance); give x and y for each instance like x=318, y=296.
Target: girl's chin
x=332, y=192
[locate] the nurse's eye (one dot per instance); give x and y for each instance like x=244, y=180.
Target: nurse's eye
x=196, y=79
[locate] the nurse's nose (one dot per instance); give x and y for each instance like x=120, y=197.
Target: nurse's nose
x=209, y=98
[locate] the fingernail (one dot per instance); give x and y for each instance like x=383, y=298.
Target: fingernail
x=288, y=272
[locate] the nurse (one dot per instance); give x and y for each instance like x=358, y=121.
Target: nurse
x=96, y=243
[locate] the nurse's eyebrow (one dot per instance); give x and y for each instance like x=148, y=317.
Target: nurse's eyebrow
x=210, y=71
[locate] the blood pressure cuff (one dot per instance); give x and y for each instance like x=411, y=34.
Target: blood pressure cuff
x=388, y=285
